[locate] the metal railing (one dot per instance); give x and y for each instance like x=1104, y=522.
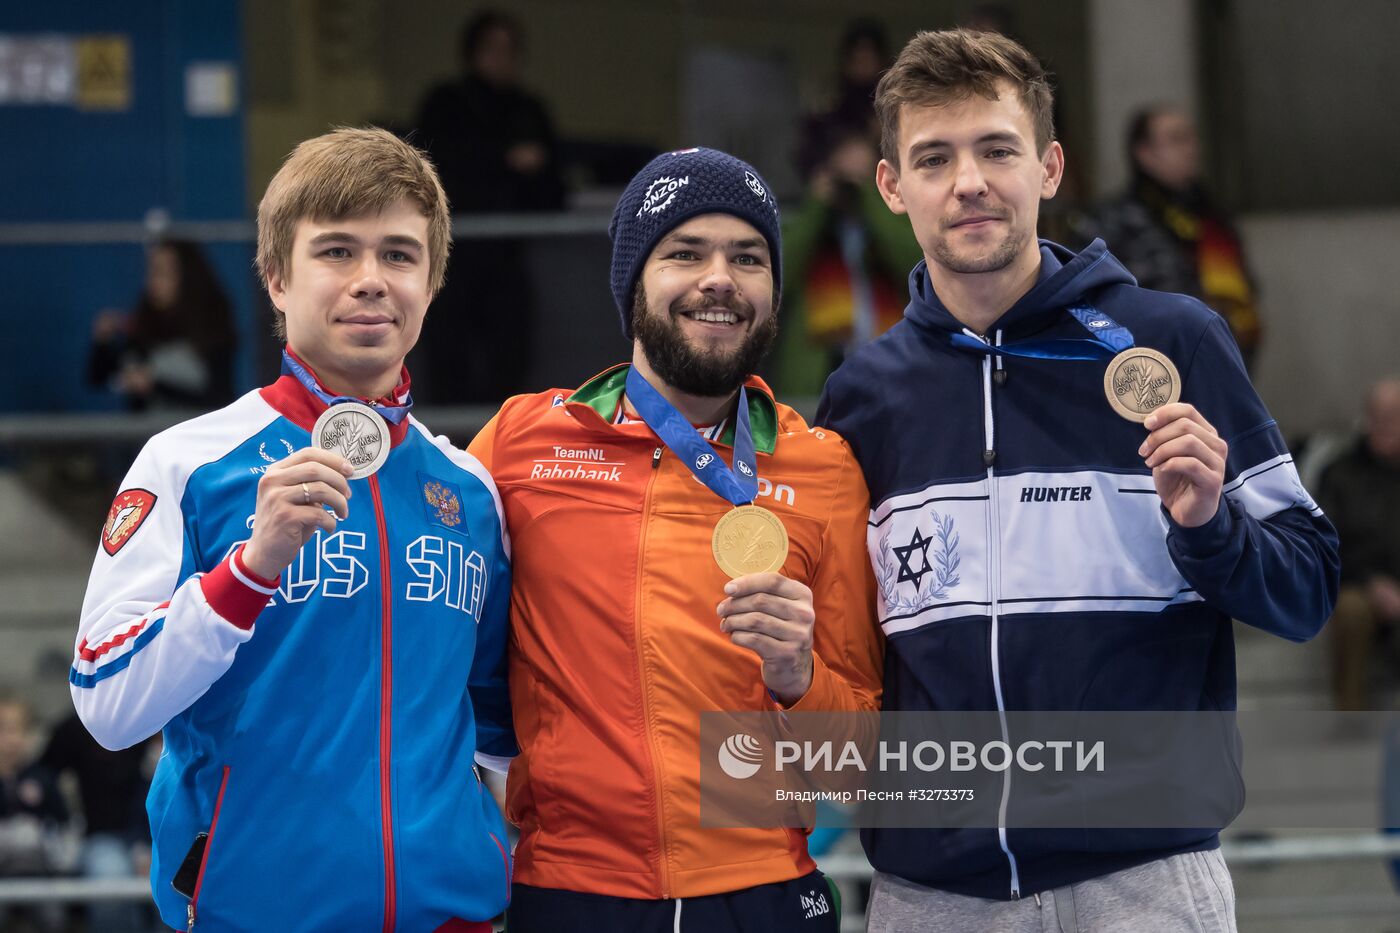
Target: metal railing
x=464, y=227
x=459, y=422
x=1356, y=847
x=78, y=430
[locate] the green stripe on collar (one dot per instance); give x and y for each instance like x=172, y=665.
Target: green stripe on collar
x=603, y=392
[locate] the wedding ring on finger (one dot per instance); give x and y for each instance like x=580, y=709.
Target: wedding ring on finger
x=305, y=495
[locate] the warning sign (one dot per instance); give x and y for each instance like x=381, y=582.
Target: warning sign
x=104, y=72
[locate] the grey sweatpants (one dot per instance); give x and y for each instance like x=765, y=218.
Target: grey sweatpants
x=1188, y=893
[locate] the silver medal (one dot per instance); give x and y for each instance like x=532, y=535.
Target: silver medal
x=355, y=431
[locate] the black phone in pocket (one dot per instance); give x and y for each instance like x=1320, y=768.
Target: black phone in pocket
x=187, y=876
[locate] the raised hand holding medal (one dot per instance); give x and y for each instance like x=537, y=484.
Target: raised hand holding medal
x=764, y=611
x=1187, y=456
x=1184, y=451
x=310, y=490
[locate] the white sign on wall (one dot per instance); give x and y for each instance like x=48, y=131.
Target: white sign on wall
x=37, y=70
x=211, y=89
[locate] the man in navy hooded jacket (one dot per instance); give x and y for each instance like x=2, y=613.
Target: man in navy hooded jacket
x=1035, y=550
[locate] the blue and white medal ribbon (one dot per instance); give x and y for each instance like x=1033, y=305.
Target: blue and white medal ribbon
x=748, y=539
x=1109, y=339
x=1138, y=380
x=348, y=426
x=739, y=484
x=394, y=414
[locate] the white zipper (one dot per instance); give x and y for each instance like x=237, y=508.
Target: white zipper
x=993, y=544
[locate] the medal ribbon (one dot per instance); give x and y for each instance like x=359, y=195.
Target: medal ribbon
x=739, y=485
x=394, y=414
x=1109, y=339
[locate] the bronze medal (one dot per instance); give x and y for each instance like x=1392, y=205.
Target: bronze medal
x=750, y=539
x=1139, y=381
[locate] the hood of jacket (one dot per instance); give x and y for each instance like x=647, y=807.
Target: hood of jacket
x=1065, y=279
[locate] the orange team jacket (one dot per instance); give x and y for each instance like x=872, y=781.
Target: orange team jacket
x=615, y=644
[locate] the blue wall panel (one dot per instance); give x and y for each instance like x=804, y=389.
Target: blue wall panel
x=62, y=164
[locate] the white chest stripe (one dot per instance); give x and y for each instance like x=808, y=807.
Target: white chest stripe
x=1085, y=541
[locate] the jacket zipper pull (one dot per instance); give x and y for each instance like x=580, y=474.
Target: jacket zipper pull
x=189, y=912
x=656, y=458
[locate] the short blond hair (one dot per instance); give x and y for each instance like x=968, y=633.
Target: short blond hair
x=349, y=173
x=937, y=68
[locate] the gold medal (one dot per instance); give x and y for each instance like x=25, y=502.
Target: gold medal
x=1139, y=381
x=749, y=539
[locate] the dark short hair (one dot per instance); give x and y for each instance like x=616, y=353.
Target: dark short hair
x=939, y=68
x=1140, y=127
x=864, y=31
x=201, y=313
x=475, y=30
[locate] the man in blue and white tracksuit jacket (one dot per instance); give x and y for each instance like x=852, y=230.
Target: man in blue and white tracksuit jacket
x=320, y=721
x=1073, y=589
x=1034, y=551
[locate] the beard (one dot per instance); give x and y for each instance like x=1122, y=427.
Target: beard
x=1001, y=256
x=705, y=373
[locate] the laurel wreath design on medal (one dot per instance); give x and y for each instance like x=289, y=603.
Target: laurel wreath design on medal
x=1139, y=381
x=749, y=539
x=356, y=432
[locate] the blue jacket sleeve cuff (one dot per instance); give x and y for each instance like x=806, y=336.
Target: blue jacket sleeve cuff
x=1206, y=539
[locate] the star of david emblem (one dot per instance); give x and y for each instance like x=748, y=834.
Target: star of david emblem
x=906, y=553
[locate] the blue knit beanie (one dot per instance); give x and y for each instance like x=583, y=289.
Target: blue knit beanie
x=672, y=189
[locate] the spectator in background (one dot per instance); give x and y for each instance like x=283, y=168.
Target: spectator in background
x=494, y=147
x=993, y=17
x=1361, y=494
x=845, y=254
x=175, y=349
x=863, y=54
x=493, y=141
x=846, y=257
x=32, y=815
x=112, y=787
x=1169, y=231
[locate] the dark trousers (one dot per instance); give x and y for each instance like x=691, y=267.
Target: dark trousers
x=808, y=904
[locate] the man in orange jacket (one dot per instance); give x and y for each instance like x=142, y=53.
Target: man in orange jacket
x=625, y=627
